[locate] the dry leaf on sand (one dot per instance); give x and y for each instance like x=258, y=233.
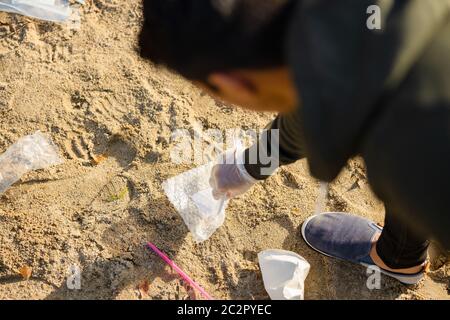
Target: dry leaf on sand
x=96, y=160
x=144, y=287
x=192, y=295
x=25, y=272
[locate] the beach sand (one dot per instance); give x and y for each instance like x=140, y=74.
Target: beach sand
x=111, y=114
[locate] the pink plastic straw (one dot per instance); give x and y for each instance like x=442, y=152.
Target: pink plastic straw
x=178, y=270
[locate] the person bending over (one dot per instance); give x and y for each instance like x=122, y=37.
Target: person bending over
x=341, y=89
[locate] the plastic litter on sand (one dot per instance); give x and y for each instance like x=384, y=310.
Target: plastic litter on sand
x=178, y=270
x=29, y=153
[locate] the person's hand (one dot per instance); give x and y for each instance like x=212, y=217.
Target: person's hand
x=229, y=178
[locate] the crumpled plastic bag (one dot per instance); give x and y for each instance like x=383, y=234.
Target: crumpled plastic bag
x=29, y=153
x=284, y=274
x=191, y=195
x=50, y=10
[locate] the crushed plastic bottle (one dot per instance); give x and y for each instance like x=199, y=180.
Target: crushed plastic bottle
x=29, y=153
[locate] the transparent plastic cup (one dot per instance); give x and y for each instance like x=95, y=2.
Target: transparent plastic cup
x=284, y=274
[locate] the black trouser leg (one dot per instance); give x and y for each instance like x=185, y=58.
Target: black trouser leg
x=408, y=164
x=399, y=246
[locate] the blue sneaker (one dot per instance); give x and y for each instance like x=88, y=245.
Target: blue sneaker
x=348, y=237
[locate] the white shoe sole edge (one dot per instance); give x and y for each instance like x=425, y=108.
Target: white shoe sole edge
x=405, y=279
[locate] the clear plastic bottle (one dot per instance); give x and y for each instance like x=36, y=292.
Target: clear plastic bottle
x=50, y=10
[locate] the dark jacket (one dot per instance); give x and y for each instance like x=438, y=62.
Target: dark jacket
x=384, y=94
